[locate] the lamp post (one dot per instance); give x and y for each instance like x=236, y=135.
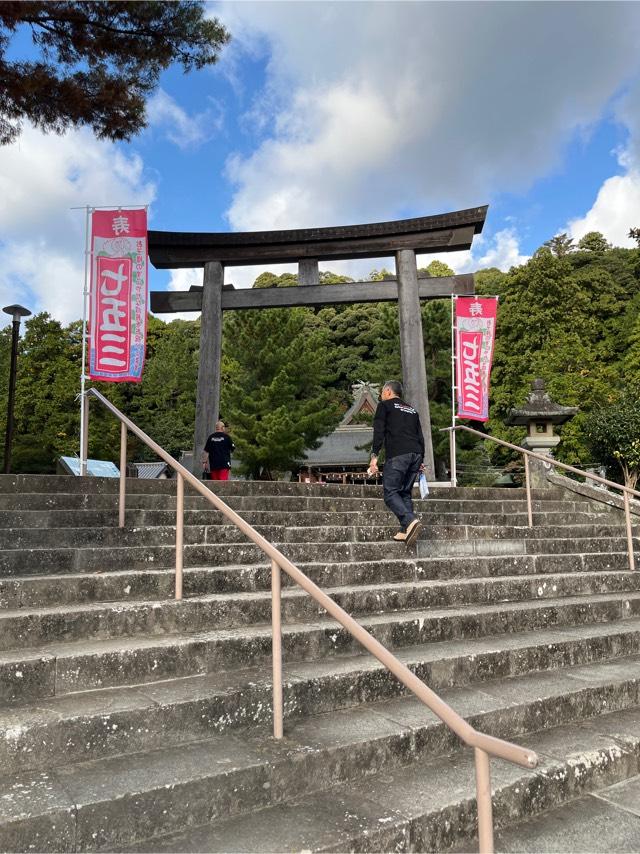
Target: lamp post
x=17, y=312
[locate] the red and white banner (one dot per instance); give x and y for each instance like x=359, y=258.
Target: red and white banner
x=475, y=325
x=119, y=270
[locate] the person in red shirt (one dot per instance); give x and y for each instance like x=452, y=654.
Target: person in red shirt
x=216, y=456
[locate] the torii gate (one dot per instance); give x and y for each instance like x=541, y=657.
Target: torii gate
x=449, y=232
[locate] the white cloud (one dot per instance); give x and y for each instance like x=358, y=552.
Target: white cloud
x=387, y=108
x=615, y=210
x=41, y=178
x=183, y=130
x=503, y=253
x=502, y=250
x=616, y=207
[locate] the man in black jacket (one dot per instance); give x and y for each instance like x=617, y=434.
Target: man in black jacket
x=396, y=425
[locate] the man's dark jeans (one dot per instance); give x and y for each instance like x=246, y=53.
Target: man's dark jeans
x=397, y=482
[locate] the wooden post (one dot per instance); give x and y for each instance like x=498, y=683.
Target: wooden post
x=414, y=372
x=308, y=272
x=208, y=394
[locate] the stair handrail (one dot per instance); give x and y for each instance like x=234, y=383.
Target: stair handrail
x=549, y=461
x=484, y=745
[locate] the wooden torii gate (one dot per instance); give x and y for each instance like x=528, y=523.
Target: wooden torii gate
x=449, y=232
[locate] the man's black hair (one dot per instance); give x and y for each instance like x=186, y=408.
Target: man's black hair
x=395, y=387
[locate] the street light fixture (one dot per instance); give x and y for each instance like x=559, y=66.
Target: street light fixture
x=17, y=312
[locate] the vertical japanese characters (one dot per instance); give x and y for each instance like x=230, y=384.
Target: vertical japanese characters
x=475, y=335
x=119, y=268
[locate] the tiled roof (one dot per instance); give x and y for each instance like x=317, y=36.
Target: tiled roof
x=149, y=471
x=342, y=448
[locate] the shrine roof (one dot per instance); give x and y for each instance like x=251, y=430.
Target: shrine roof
x=342, y=447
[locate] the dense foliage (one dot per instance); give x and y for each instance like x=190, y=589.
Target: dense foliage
x=570, y=315
x=98, y=61
x=613, y=431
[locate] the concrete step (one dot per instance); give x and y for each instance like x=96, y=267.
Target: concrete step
x=84, y=518
x=30, y=627
x=18, y=562
x=607, y=818
x=101, y=723
x=46, y=538
x=414, y=771
x=128, y=720
x=427, y=547
x=57, y=668
x=38, y=591
x=10, y=484
x=430, y=804
x=288, y=503
x=108, y=485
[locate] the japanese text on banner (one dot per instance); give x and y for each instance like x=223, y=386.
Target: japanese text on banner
x=475, y=335
x=119, y=271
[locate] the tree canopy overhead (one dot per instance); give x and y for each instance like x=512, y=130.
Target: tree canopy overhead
x=99, y=61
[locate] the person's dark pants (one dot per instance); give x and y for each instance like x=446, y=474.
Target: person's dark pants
x=397, y=482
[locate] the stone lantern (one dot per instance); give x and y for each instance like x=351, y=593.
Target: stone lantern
x=540, y=415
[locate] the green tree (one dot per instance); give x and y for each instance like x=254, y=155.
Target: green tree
x=634, y=234
x=276, y=398
x=99, y=61
x=380, y=275
x=570, y=320
x=436, y=268
x=491, y=281
x=352, y=337
x=164, y=402
x=273, y=280
x=46, y=414
x=5, y=362
x=560, y=245
x=594, y=241
x=613, y=432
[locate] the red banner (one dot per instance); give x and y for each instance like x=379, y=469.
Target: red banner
x=119, y=270
x=475, y=333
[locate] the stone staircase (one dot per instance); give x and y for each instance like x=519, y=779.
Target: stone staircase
x=131, y=722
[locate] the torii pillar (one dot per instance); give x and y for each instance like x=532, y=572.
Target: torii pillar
x=414, y=371
x=208, y=395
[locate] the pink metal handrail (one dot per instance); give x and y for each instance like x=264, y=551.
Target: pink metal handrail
x=484, y=745
x=627, y=491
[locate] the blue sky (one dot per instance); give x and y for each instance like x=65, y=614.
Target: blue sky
x=340, y=112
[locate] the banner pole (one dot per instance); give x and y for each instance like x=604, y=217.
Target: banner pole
x=83, y=401
x=452, y=434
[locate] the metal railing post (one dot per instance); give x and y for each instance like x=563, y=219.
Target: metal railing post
x=123, y=472
x=452, y=458
x=527, y=479
x=627, y=518
x=276, y=631
x=179, y=534
x=84, y=450
x=483, y=799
